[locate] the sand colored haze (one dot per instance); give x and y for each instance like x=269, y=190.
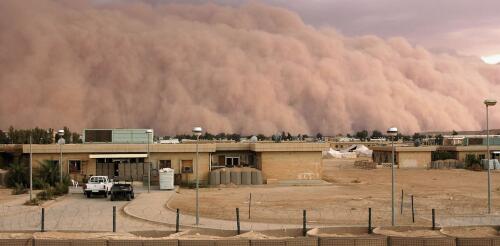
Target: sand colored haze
x=249, y=69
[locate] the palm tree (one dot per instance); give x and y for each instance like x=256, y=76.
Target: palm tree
x=49, y=172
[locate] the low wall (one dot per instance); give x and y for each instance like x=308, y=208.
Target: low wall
x=349, y=236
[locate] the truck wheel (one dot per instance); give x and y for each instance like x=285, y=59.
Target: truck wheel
x=128, y=197
x=88, y=194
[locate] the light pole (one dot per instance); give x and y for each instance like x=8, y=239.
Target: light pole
x=60, y=142
x=197, y=132
x=488, y=103
x=148, y=132
x=393, y=132
x=31, y=169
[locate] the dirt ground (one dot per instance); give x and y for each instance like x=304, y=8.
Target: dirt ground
x=347, y=199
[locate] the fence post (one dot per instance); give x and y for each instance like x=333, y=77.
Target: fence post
x=114, y=218
x=43, y=220
x=238, y=220
x=249, y=205
x=402, y=200
x=412, y=210
x=433, y=219
x=304, y=222
x=177, y=221
x=370, y=221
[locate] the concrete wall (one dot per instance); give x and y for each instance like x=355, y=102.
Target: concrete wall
x=414, y=159
x=176, y=161
x=290, y=165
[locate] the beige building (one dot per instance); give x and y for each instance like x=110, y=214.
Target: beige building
x=405, y=157
x=421, y=157
x=278, y=161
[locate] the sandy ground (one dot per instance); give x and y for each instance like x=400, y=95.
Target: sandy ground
x=351, y=193
x=480, y=231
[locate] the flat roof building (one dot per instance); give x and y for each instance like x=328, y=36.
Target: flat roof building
x=277, y=161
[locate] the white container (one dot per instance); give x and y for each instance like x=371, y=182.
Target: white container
x=166, y=179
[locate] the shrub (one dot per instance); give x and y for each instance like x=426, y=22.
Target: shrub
x=46, y=194
x=39, y=184
x=33, y=202
x=61, y=189
x=49, y=172
x=17, y=174
x=19, y=189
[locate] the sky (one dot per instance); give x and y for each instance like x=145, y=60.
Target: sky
x=465, y=27
x=302, y=67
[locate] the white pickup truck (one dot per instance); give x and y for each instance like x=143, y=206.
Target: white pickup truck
x=97, y=185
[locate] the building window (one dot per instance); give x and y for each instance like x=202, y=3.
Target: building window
x=482, y=157
x=232, y=161
x=165, y=164
x=187, y=166
x=75, y=166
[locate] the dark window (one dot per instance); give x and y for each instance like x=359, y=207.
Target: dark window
x=75, y=166
x=165, y=164
x=98, y=136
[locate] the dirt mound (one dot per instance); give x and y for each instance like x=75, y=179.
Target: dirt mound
x=478, y=231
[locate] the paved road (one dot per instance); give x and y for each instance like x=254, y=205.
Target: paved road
x=72, y=212
x=152, y=207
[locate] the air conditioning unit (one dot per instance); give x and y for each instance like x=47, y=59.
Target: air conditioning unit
x=187, y=169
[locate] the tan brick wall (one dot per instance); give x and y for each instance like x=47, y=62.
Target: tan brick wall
x=87, y=166
x=414, y=159
x=463, y=154
x=291, y=165
x=176, y=159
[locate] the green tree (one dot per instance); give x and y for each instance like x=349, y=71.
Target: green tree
x=17, y=174
x=377, y=134
x=3, y=138
x=362, y=134
x=319, y=136
x=454, y=132
x=49, y=172
x=439, y=139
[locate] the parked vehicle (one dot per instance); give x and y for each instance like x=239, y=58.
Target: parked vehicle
x=97, y=185
x=122, y=190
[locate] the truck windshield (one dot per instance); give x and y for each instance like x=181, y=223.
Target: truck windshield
x=97, y=180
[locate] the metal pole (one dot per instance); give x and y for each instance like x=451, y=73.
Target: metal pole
x=31, y=169
x=402, y=200
x=114, y=218
x=370, y=221
x=238, y=220
x=304, y=223
x=177, y=221
x=60, y=162
x=198, y=185
x=488, y=158
x=43, y=220
x=149, y=168
x=412, y=210
x=433, y=219
x=393, y=188
x=249, y=205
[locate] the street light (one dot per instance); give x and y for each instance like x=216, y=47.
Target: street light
x=197, y=132
x=488, y=103
x=61, y=141
x=31, y=169
x=148, y=132
x=393, y=131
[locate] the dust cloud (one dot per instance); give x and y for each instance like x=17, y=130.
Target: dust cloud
x=248, y=69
